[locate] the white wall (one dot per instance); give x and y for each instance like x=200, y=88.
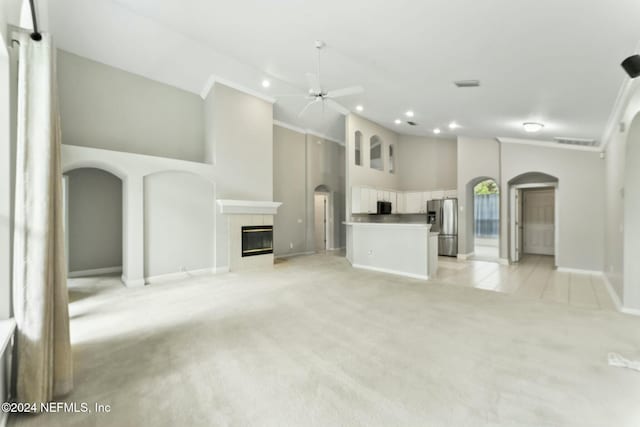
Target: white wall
x=95, y=219
x=580, y=196
x=615, y=165
x=178, y=223
x=477, y=158
x=425, y=164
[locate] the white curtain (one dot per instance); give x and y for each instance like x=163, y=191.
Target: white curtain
x=44, y=363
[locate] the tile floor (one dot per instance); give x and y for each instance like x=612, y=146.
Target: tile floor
x=534, y=277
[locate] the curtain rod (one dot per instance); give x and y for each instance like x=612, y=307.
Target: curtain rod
x=35, y=35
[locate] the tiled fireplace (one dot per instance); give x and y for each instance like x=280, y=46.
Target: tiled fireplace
x=250, y=231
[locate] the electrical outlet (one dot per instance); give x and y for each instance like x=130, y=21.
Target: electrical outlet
x=290, y=245
x=370, y=253
x=183, y=269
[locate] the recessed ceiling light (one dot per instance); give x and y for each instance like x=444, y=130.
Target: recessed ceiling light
x=436, y=131
x=532, y=127
x=453, y=125
x=266, y=83
x=397, y=121
x=359, y=107
x=409, y=113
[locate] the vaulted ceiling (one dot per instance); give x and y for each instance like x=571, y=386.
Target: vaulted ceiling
x=555, y=62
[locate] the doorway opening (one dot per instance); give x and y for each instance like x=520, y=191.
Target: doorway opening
x=486, y=220
x=322, y=209
x=533, y=216
x=92, y=203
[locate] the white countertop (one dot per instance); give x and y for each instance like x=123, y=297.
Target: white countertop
x=389, y=224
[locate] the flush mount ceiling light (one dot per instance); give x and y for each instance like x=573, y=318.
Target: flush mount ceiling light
x=436, y=131
x=453, y=125
x=532, y=127
x=266, y=83
x=397, y=121
x=409, y=113
x=359, y=107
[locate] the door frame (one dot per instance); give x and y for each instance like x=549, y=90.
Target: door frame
x=328, y=224
x=514, y=254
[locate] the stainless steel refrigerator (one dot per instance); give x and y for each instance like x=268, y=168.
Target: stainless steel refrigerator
x=443, y=216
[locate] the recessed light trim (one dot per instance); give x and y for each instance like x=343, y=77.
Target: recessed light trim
x=453, y=125
x=409, y=113
x=397, y=121
x=437, y=131
x=266, y=83
x=359, y=107
x=532, y=127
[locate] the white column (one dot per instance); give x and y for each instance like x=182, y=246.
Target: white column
x=133, y=231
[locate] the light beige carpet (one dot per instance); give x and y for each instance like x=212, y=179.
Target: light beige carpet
x=313, y=342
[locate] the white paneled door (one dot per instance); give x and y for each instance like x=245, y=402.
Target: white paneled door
x=321, y=201
x=538, y=220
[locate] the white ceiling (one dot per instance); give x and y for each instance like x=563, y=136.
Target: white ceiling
x=551, y=61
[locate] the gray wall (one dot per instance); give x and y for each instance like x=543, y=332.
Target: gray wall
x=240, y=144
x=426, y=164
x=104, y=107
x=580, y=200
x=289, y=187
x=95, y=219
x=178, y=223
x=303, y=162
x=477, y=159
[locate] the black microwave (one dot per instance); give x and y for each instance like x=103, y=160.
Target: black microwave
x=384, y=208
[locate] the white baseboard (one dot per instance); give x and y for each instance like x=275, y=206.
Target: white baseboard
x=294, y=254
x=221, y=270
x=132, y=283
x=504, y=261
x=179, y=275
x=465, y=257
x=616, y=299
x=579, y=271
x=388, y=271
x=95, y=272
x=341, y=248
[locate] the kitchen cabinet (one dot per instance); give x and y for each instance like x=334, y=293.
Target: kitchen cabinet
x=363, y=200
x=426, y=196
x=435, y=195
x=356, y=198
x=393, y=198
x=414, y=202
x=401, y=198
x=372, y=201
x=451, y=194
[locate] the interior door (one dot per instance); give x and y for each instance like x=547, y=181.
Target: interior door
x=538, y=221
x=320, y=221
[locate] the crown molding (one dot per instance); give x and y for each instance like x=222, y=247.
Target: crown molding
x=306, y=131
x=213, y=79
x=547, y=144
x=627, y=89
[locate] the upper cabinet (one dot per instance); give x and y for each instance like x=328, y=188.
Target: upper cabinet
x=364, y=200
x=392, y=159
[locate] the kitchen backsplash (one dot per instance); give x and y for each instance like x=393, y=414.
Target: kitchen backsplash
x=393, y=218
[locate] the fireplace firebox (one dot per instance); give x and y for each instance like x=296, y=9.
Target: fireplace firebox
x=257, y=240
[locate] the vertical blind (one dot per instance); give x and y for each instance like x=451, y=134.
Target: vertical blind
x=486, y=214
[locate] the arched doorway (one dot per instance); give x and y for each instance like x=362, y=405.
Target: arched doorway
x=322, y=214
x=486, y=220
x=631, y=201
x=533, y=209
x=93, y=219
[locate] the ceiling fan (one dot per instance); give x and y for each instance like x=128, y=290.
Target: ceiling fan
x=319, y=94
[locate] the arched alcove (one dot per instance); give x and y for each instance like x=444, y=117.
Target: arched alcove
x=533, y=215
x=179, y=212
x=93, y=217
x=631, y=203
x=376, y=150
x=357, y=149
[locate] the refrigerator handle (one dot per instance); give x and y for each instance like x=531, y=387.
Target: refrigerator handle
x=441, y=225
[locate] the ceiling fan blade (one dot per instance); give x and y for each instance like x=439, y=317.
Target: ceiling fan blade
x=291, y=95
x=314, y=82
x=307, y=106
x=345, y=91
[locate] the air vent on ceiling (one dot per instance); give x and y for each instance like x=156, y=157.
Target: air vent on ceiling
x=467, y=83
x=410, y=123
x=575, y=141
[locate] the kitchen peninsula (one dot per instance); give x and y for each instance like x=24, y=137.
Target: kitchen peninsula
x=406, y=249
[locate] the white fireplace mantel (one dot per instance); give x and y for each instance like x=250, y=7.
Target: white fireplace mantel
x=248, y=207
